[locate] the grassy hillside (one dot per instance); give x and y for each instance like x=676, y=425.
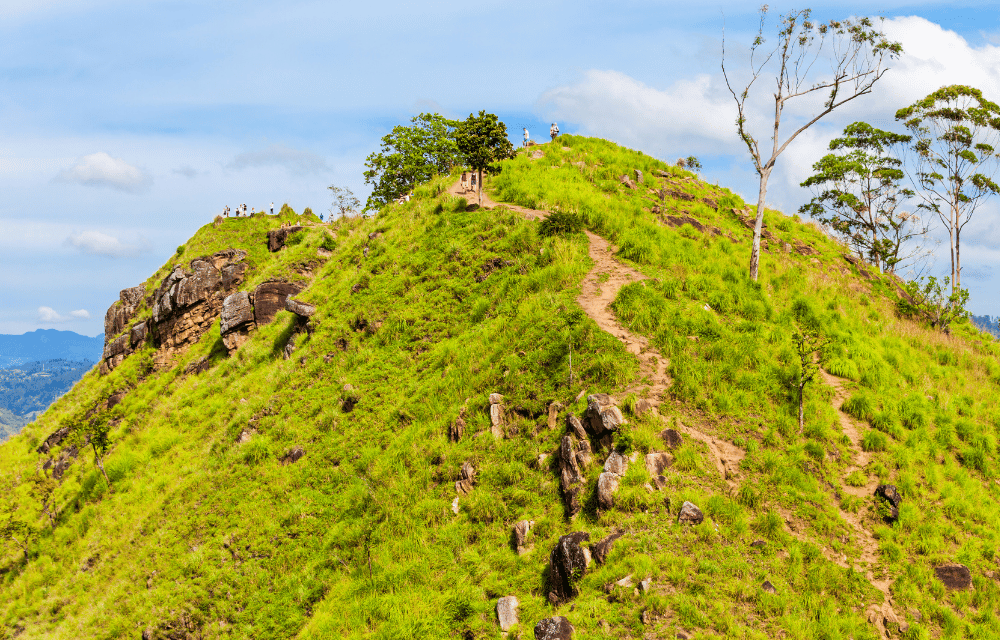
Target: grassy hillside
x=212, y=531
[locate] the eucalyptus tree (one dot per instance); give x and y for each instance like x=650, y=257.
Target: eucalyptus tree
x=859, y=194
x=854, y=50
x=956, y=132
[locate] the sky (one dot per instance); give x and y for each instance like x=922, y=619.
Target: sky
x=126, y=125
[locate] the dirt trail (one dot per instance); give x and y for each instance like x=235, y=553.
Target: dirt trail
x=599, y=288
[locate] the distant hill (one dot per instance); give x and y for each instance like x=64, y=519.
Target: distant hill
x=48, y=344
x=986, y=323
x=28, y=390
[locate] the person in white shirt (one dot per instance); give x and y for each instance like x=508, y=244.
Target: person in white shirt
x=272, y=208
x=526, y=137
x=554, y=130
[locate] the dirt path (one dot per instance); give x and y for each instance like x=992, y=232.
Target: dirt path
x=599, y=288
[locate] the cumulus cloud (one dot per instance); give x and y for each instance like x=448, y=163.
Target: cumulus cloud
x=187, y=171
x=102, y=244
x=101, y=170
x=296, y=161
x=48, y=315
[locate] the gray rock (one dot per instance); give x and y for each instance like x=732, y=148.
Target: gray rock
x=616, y=463
x=657, y=462
x=269, y=298
x=638, y=177
x=890, y=495
x=574, y=426
x=643, y=407
x=554, y=409
x=302, y=309
x=671, y=438
x=690, y=514
x=276, y=237
x=607, y=486
x=507, y=612
x=767, y=586
x=604, y=547
x=236, y=311
x=497, y=420
x=293, y=455
x=137, y=335
x=289, y=347
x=496, y=398
x=568, y=465
x=583, y=453
x=954, y=576
x=467, y=472
x=557, y=628
x=567, y=563
x=521, y=530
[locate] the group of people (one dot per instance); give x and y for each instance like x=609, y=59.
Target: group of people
x=241, y=211
x=553, y=133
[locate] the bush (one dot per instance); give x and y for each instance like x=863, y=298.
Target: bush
x=561, y=222
x=860, y=406
x=874, y=441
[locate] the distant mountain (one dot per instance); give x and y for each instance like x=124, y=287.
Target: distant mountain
x=48, y=344
x=986, y=323
x=27, y=390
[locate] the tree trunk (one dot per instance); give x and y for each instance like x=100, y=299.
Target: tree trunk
x=100, y=465
x=802, y=420
x=480, y=185
x=759, y=225
x=957, y=280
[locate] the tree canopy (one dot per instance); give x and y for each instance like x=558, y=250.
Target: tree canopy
x=410, y=155
x=482, y=141
x=859, y=192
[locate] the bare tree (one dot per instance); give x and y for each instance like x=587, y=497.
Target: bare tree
x=856, y=52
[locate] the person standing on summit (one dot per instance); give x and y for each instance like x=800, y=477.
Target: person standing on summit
x=526, y=137
x=554, y=130
x=272, y=208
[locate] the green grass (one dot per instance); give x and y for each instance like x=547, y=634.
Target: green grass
x=358, y=539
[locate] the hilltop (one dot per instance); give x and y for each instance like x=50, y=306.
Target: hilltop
x=574, y=396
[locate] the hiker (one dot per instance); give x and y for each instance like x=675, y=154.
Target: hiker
x=272, y=210
x=253, y=210
x=473, y=180
x=554, y=130
x=526, y=137
x=465, y=181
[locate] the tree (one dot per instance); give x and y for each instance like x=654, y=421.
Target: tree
x=925, y=298
x=410, y=155
x=482, y=141
x=100, y=442
x=856, y=55
x=807, y=343
x=12, y=527
x=956, y=132
x=42, y=487
x=344, y=201
x=858, y=193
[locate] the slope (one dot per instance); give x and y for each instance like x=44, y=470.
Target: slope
x=256, y=495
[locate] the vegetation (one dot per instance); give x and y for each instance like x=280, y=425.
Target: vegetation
x=956, y=136
x=857, y=53
x=212, y=531
x=483, y=142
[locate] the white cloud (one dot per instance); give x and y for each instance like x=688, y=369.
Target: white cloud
x=187, y=171
x=48, y=315
x=294, y=160
x=101, y=170
x=102, y=244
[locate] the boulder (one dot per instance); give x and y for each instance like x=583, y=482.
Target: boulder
x=891, y=498
x=554, y=408
x=293, y=455
x=557, y=628
x=616, y=463
x=574, y=426
x=583, y=453
x=496, y=420
x=954, y=576
x=607, y=486
x=286, y=353
x=301, y=309
x=570, y=480
x=567, y=562
x=690, y=514
x=205, y=279
x=237, y=320
x=603, y=548
x=671, y=438
x=657, y=462
x=137, y=335
x=625, y=180
x=507, y=612
x=603, y=417
x=54, y=440
x=269, y=298
x=767, y=586
x=638, y=177
x=276, y=238
x=457, y=429
x=233, y=274
x=496, y=398
x=520, y=534
x=642, y=407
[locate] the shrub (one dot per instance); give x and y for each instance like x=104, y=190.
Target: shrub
x=874, y=441
x=860, y=406
x=561, y=222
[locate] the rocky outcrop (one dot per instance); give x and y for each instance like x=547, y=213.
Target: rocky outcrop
x=269, y=298
x=557, y=628
x=137, y=335
x=276, y=238
x=497, y=415
x=466, y=475
x=607, y=487
x=119, y=313
x=954, y=576
x=301, y=309
x=570, y=479
x=507, y=612
x=293, y=455
x=54, y=440
x=603, y=417
x=567, y=563
x=520, y=536
x=604, y=547
x=671, y=438
x=237, y=320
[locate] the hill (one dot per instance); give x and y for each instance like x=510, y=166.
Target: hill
x=48, y=344
x=384, y=428
x=27, y=390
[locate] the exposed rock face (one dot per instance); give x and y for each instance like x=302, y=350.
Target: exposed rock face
x=603, y=548
x=54, y=440
x=954, y=576
x=607, y=486
x=690, y=514
x=137, y=336
x=569, y=476
x=557, y=628
x=521, y=530
x=464, y=484
x=657, y=462
x=566, y=564
x=237, y=320
x=616, y=463
x=269, y=298
x=638, y=177
x=574, y=426
x=497, y=415
x=507, y=612
x=276, y=238
x=122, y=311
x=890, y=495
x=603, y=416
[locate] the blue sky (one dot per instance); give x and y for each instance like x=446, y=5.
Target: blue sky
x=124, y=126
